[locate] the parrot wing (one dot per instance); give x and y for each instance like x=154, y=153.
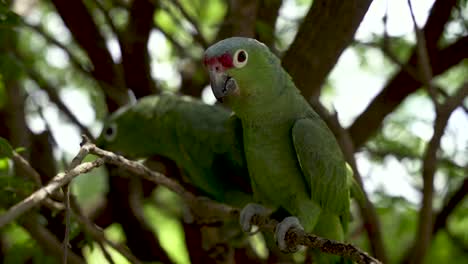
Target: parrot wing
x=322, y=165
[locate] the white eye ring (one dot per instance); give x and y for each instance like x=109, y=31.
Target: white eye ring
x=110, y=132
x=240, y=58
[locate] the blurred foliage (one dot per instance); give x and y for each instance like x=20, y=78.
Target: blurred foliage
x=6, y=151
x=22, y=248
x=175, y=52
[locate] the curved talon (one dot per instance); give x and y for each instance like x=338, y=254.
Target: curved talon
x=247, y=213
x=281, y=230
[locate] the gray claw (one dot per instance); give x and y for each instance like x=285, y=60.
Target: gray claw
x=281, y=230
x=247, y=213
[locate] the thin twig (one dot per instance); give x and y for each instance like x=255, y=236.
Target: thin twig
x=82, y=153
x=204, y=208
x=30, y=172
x=296, y=237
x=424, y=231
x=197, y=36
x=96, y=233
x=51, y=93
x=180, y=49
x=66, y=237
x=424, y=63
x=38, y=196
x=46, y=240
x=105, y=252
x=385, y=49
x=216, y=209
x=445, y=95
x=198, y=33
x=73, y=59
x=449, y=206
x=88, y=69
x=88, y=226
x=34, y=175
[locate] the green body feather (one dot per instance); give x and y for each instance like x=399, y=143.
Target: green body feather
x=205, y=141
x=293, y=158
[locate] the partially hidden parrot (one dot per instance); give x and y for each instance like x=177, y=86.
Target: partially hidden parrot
x=294, y=161
x=204, y=141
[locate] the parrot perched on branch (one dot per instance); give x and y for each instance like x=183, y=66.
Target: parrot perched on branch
x=204, y=140
x=294, y=161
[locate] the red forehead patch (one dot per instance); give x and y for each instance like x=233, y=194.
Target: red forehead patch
x=209, y=61
x=225, y=60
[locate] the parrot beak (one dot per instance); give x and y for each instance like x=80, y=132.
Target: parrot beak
x=222, y=84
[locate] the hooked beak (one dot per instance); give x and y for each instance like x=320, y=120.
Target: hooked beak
x=222, y=84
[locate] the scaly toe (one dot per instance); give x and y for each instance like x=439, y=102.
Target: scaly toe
x=247, y=213
x=281, y=230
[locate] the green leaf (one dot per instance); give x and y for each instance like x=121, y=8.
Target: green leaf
x=5, y=148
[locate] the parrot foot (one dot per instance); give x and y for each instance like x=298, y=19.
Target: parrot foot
x=246, y=215
x=281, y=231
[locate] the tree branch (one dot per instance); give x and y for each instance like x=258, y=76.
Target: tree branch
x=38, y=196
x=402, y=84
x=424, y=64
x=300, y=237
x=29, y=171
x=267, y=15
x=450, y=205
x=84, y=30
x=51, y=93
x=47, y=240
x=135, y=56
x=239, y=20
x=198, y=36
x=208, y=211
x=73, y=59
x=326, y=31
x=97, y=234
x=66, y=236
x=425, y=226
x=88, y=226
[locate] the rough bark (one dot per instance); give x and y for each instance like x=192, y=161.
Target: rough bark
x=135, y=56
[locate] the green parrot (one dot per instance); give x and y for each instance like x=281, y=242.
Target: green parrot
x=201, y=139
x=294, y=161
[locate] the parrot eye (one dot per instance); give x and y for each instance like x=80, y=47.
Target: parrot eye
x=240, y=58
x=110, y=132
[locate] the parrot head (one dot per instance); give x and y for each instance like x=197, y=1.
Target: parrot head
x=126, y=130
x=241, y=70
x=117, y=134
